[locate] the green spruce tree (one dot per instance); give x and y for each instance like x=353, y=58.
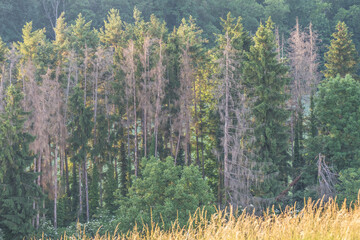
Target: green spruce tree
x=110, y=187
x=94, y=190
x=18, y=190
x=342, y=56
x=265, y=79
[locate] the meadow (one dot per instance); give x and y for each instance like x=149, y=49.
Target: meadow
x=317, y=220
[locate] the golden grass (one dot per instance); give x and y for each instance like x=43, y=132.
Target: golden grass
x=317, y=220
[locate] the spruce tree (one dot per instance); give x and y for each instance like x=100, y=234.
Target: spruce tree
x=265, y=79
x=80, y=130
x=110, y=187
x=124, y=168
x=298, y=159
x=342, y=56
x=18, y=190
x=94, y=190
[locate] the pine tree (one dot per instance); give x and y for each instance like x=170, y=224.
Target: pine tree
x=265, y=79
x=342, y=56
x=18, y=190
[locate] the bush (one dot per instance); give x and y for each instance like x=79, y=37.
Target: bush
x=165, y=193
x=349, y=185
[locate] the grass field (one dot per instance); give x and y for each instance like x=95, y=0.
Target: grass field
x=316, y=220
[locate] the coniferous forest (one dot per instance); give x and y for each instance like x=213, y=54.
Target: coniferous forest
x=118, y=114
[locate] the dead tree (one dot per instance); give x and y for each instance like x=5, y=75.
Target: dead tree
x=303, y=62
x=186, y=98
x=52, y=10
x=145, y=93
x=327, y=179
x=129, y=67
x=159, y=91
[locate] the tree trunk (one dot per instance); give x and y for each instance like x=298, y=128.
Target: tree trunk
x=80, y=194
x=39, y=184
x=177, y=147
x=226, y=127
x=86, y=190
x=55, y=188
x=136, y=137
x=96, y=101
x=67, y=176
x=196, y=128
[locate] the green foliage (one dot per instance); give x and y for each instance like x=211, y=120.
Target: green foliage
x=110, y=187
x=81, y=125
x=94, y=196
x=17, y=183
x=81, y=36
x=3, y=50
x=338, y=116
x=32, y=41
x=164, y=193
x=74, y=191
x=277, y=10
x=349, y=185
x=265, y=80
x=342, y=56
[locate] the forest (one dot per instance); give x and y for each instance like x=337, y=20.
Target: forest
x=118, y=114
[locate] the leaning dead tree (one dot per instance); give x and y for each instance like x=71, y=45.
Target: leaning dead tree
x=327, y=179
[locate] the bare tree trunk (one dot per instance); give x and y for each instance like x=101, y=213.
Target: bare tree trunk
x=129, y=67
x=136, y=140
x=220, y=183
x=39, y=184
x=177, y=147
x=292, y=134
x=186, y=83
x=52, y=11
x=159, y=93
x=201, y=138
x=128, y=126
x=34, y=202
x=67, y=90
x=80, y=194
x=85, y=157
x=67, y=176
x=55, y=187
x=226, y=126
x=145, y=63
x=85, y=72
x=196, y=128
x=86, y=190
x=96, y=99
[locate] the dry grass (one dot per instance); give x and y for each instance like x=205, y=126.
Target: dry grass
x=317, y=220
